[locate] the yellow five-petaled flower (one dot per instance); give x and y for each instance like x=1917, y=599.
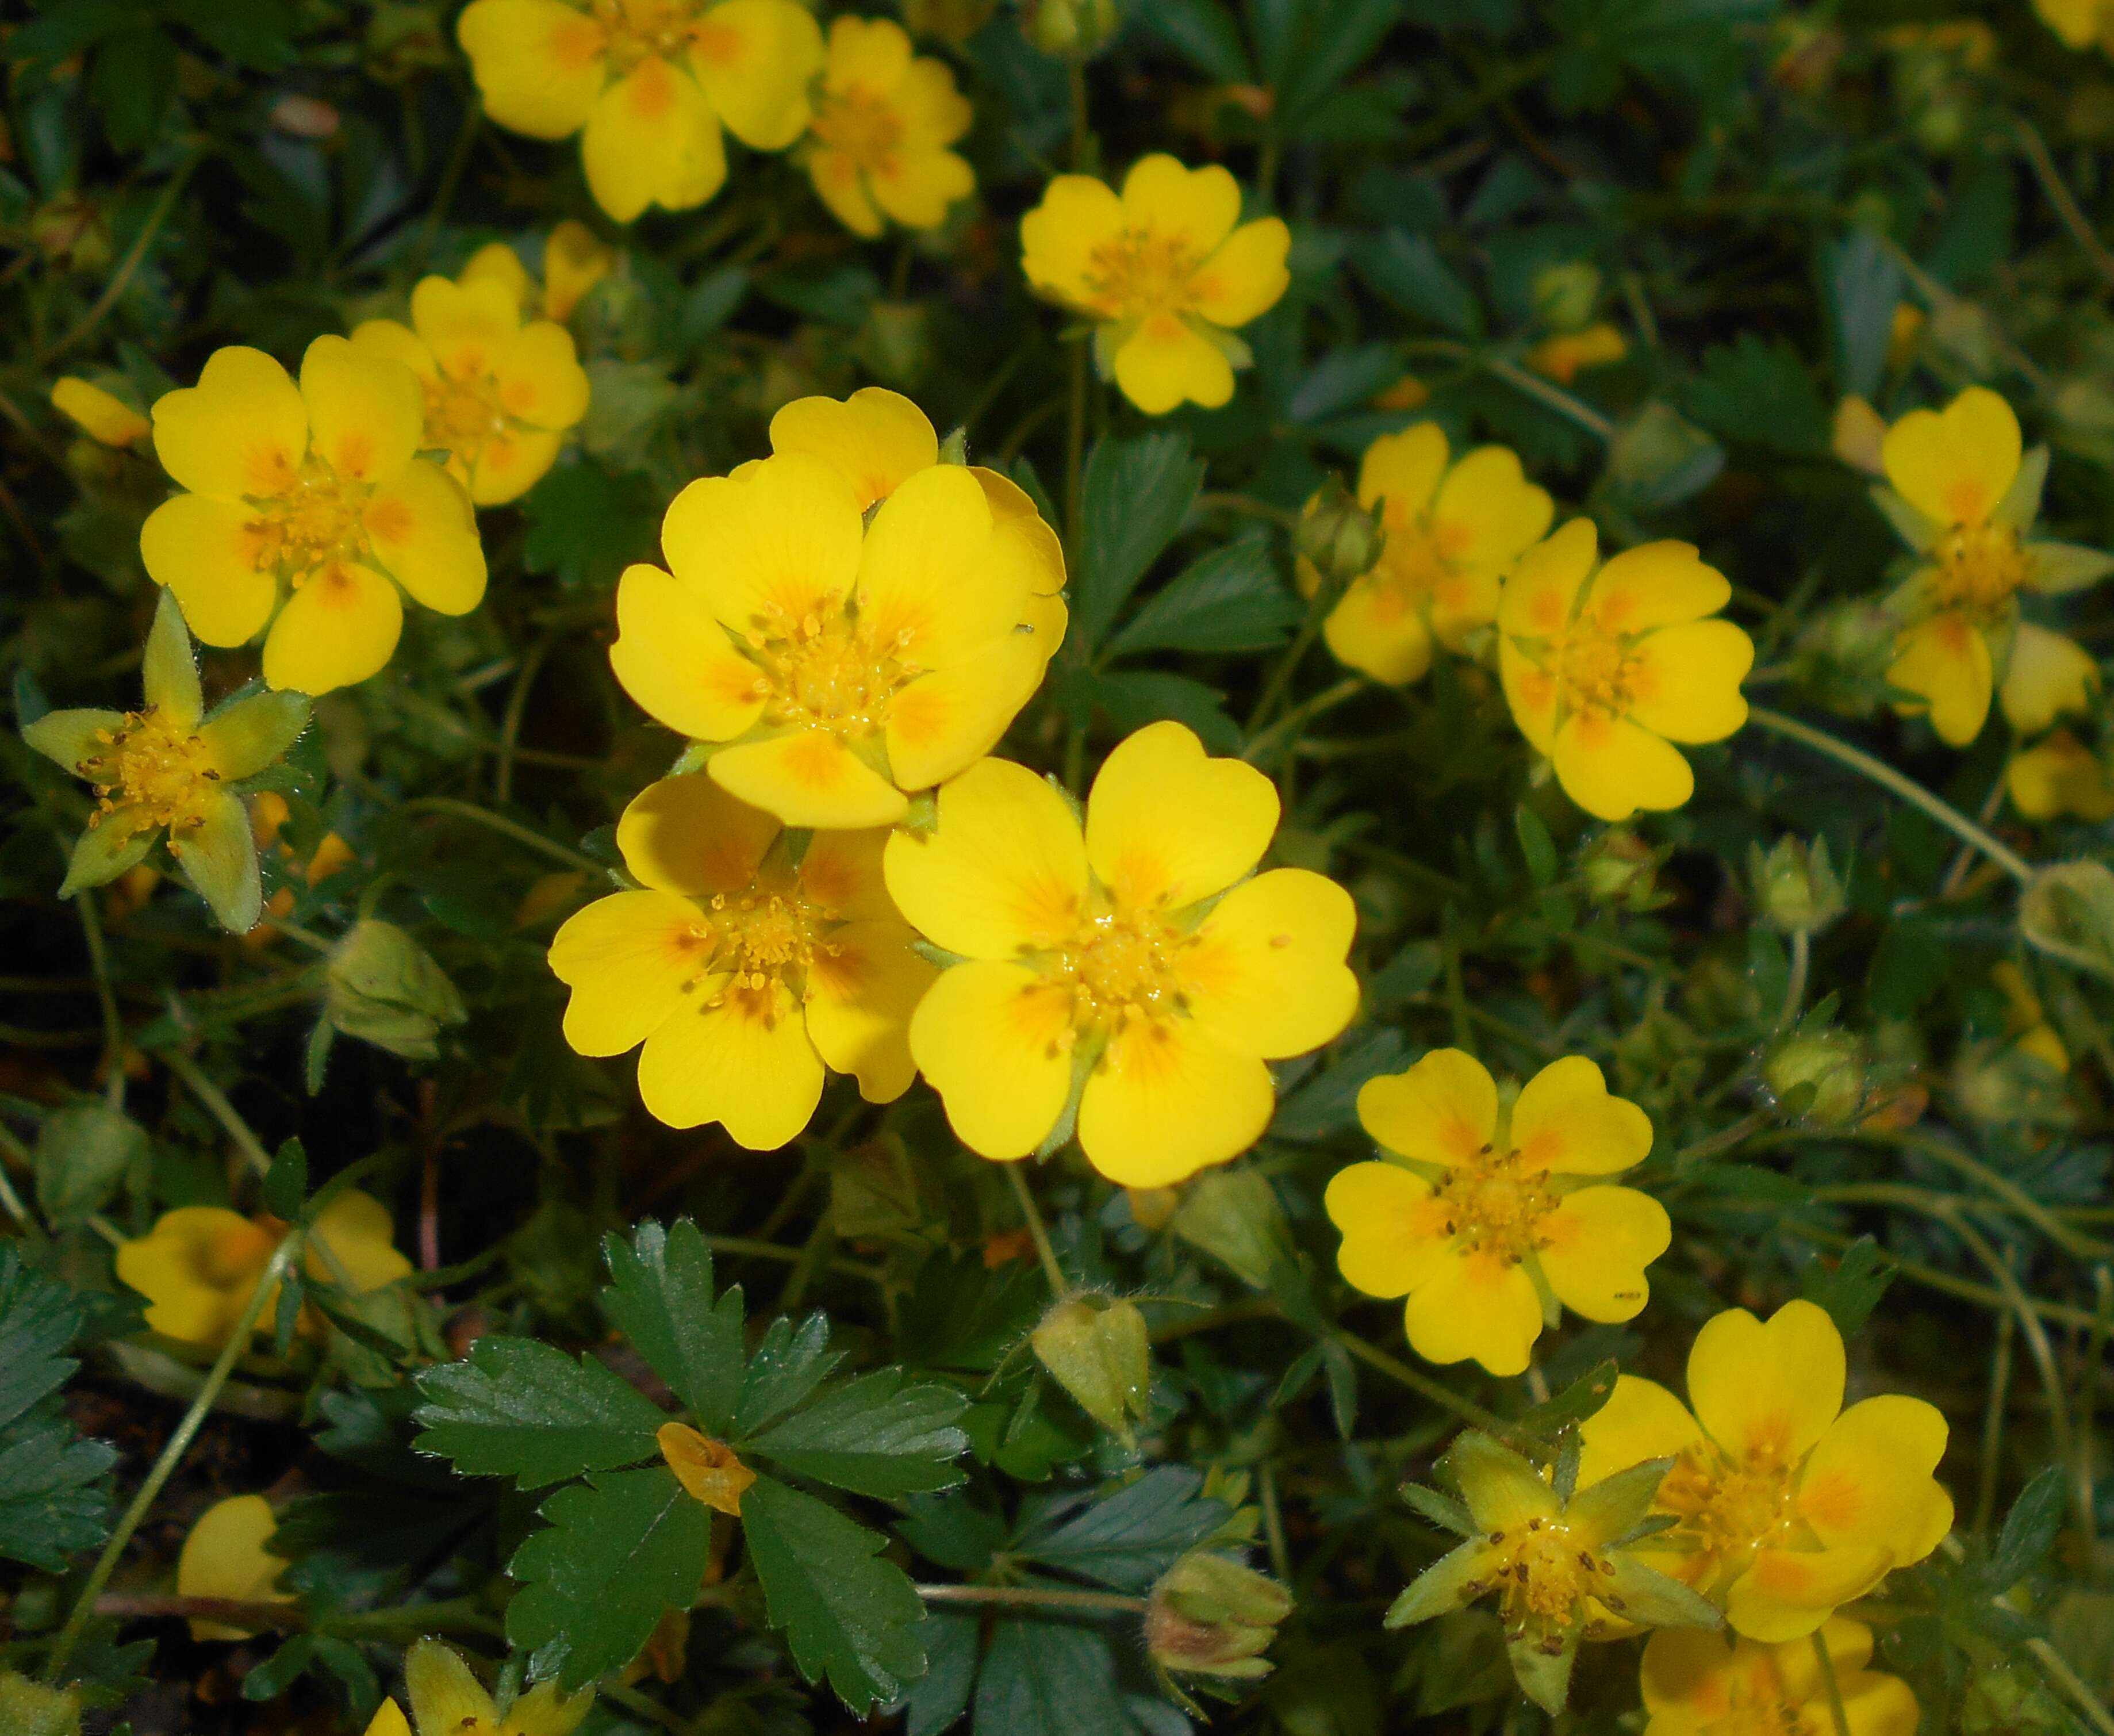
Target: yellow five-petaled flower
x=1493, y=1210
x=1128, y=965
x=882, y=129
x=1698, y=1683
x=1165, y=271
x=447, y=1700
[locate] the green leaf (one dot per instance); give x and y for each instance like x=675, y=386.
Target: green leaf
x=711, y=302
x=1862, y=282
x=133, y=78
x=844, y=1611
x=1761, y=393
x=38, y=1321
x=1583, y=1398
x=1657, y=458
x=1535, y=845
x=586, y=524
x=286, y=1182
x=1851, y=1288
x=1134, y=497
x=1203, y=33
x=1231, y=600
x=1406, y=270
x=1440, y=1509
x=519, y=1408
x=661, y=1297
x=874, y=1436
x=1132, y=1537
x=1133, y=697
x=2029, y=1530
x=788, y=1362
x=83, y=1153
x=52, y=1500
x=619, y=1549
x=1050, y=1678
x=1339, y=33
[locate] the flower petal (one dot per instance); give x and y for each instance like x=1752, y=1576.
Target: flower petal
x=1475, y=1307
x=69, y=737
x=863, y=986
x=776, y=542
x=1164, y=1100
x=687, y=835
x=203, y=550
x=1531, y=692
x=1869, y=1479
x=338, y=629
x=1660, y=585
x=425, y=536
x=241, y=741
x=942, y=722
x=168, y=671
x=1612, y=767
x=1685, y=684
x=394, y=342
x=366, y=411
x=540, y=378
x=1443, y=1110
x=1003, y=871
x=1566, y=1122
x=1195, y=208
x=1596, y=1247
x=676, y=661
x=1404, y=468
x=1168, y=824
x=916, y=187
x=354, y=1241
x=1265, y=974
x=1767, y=1388
x=539, y=64
x=467, y=325
x=1487, y=513
x=841, y=872
x=926, y=585
x=652, y=138
x=1542, y=591
x=575, y=260
x=1946, y=661
x=509, y=462
x=1953, y=466
x=1061, y=237
x=498, y=261
x=995, y=1040
x=1246, y=276
x=1167, y=362
x=1394, y=1230
x=839, y=184
x=102, y=852
x=746, y=1063
x=1501, y=1489
x=218, y=858
x=878, y=439
x=224, y=1557
x=808, y=778
x=196, y=1269
x=101, y=415
x=1641, y=1420
x=633, y=960
x=755, y=60
x=2048, y=674
x=1374, y=629
x=241, y=432
x=1787, y=1593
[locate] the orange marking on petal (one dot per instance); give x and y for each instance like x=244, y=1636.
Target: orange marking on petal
x=355, y=453
x=651, y=89
x=717, y=44
x=575, y=44
x=1966, y=502
x=1546, y=612
x=391, y=520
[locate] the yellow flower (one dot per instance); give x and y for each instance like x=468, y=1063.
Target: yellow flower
x=1605, y=665
x=1717, y=1684
x=498, y=394
x=843, y=661
x=1568, y=353
x=2059, y=777
x=1451, y=534
x=1163, y=273
x=1100, y=972
x=648, y=83
x=307, y=504
x=200, y=1265
x=742, y=973
x=224, y=1557
x=101, y=415
x=1491, y=1210
x=2025, y=1022
x=388, y=1720
x=881, y=130
x=2079, y=23
x=1858, y=436
x=170, y=771
x=1785, y=1504
x=447, y=1700
x=574, y=260
x=1964, y=497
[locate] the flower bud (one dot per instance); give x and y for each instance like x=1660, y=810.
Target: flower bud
x=1339, y=538
x=1621, y=872
x=896, y=343
x=1818, y=1076
x=1234, y=1216
x=29, y=1708
x=1564, y=294
x=1859, y=432
x=1797, y=890
x=383, y=988
x=2067, y=911
x=1096, y=1349
x=950, y=20
x=1075, y=28
x=1658, y=457
x=1209, y=1615
x=1843, y=656
x=71, y=233
x=2008, y=1083
x=2005, y=1699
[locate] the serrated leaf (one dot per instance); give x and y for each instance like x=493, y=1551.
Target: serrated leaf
x=1134, y=497
x=585, y=522
x=52, y=1500
x=846, y=1612
x=1050, y=1678
x=1849, y=1289
x=1406, y=270
x=660, y=1297
x=38, y=1321
x=83, y=1153
x=1231, y=600
x=788, y=1362
x=1130, y=1538
x=518, y=1407
x=877, y=1435
x=1761, y=393
x=1583, y=1398
x=2029, y=1529
x=619, y=1549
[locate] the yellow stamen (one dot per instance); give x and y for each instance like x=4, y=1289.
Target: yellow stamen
x=151, y=772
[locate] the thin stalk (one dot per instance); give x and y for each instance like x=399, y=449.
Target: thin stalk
x=1303, y=714
x=1907, y=788
x=451, y=175
x=499, y=823
x=1931, y=1278
x=1273, y=1521
x=1273, y=690
x=2066, y=208
x=216, y=1105
x=509, y=725
x=1075, y=452
x=1437, y=1391
x=2087, y=1408
x=1992, y=1423
x=1033, y=1597
x=179, y=1443
x=113, y=1026
x=2073, y=1685
x=1794, y=1000
x=1577, y=410
x=1060, y=1286
x=2038, y=1347
x=1826, y=1664
x=2082, y=1247
x=128, y=268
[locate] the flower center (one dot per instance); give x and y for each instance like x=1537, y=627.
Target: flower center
x=1140, y=273
x=1122, y=966
x=1496, y=1205
x=759, y=938
x=1729, y=1509
x=233, y=1259
x=1768, y=1713
x=318, y=520
x=462, y=414
x=1981, y=568
x=1545, y=1576
x=153, y=768
x=633, y=31
x=1416, y=568
x=863, y=125
x=1594, y=669
x=825, y=670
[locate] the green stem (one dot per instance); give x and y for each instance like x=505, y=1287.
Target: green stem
x=1794, y=1000
x=1303, y=714
x=1577, y=409
x=216, y=1102
x=1907, y=788
x=1992, y=1423
x=2073, y=1685
x=451, y=175
x=2082, y=1247
x=128, y=268
x=1931, y=1278
x=113, y=1026
x=1075, y=449
x=2038, y=1347
x=179, y=1443
x=1373, y=1356
x=1033, y=1597
x=1318, y=607
x=1060, y=1286
x=2066, y=208
x=499, y=823
x=1826, y=1664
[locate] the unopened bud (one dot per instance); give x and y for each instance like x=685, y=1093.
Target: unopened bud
x=950, y=20
x=2004, y=1699
x=29, y=1708
x=2010, y=1083
x=1797, y=891
x=1073, y=28
x=896, y=343
x=1097, y=1350
x=1564, y=294
x=383, y=988
x=71, y=232
x=1339, y=538
x=2067, y=912
x=1818, y=1076
x=1234, y=1216
x=1621, y=872
x=1209, y=1615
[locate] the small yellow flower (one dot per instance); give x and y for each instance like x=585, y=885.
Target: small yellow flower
x=881, y=131
x=648, y=83
x=224, y=1555
x=1858, y=436
x=710, y=1471
x=101, y=415
x=1451, y=531
x=1491, y=1210
x=2061, y=776
x=388, y=1720
x=200, y=1265
x=2026, y=1021
x=447, y=1700
x=575, y=260
x=499, y=394
x=2079, y=23
x=1105, y=968
x=170, y=771
x=1604, y=666
x=743, y=974
x=1568, y=353
x=1163, y=271
x=1964, y=497
x=841, y=661
x=1703, y=1683
x=304, y=504
x=1786, y=1504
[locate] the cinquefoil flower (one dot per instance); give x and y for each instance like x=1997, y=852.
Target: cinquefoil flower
x=648, y=83
x=842, y=663
x=1451, y=531
x=1129, y=966
x=575, y=260
x=881, y=128
x=170, y=771
x=1719, y=1685
x=743, y=971
x=1786, y=1504
x=307, y=509
x=2079, y=23
x=224, y=1557
x=1605, y=666
x=1497, y=1216
x=2057, y=776
x=499, y=394
x=1163, y=271
x=447, y=1700
x=1964, y=497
